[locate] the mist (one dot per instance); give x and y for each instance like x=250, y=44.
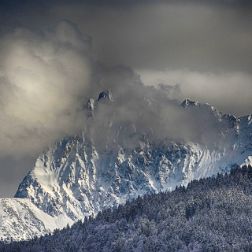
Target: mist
x=229, y=92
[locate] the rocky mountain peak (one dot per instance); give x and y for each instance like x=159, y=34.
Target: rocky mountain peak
x=104, y=96
x=189, y=103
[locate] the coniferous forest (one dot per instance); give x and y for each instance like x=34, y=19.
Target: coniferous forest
x=212, y=214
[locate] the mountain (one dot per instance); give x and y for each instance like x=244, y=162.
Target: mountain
x=75, y=178
x=20, y=220
x=212, y=214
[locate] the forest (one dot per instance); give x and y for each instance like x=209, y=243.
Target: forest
x=211, y=214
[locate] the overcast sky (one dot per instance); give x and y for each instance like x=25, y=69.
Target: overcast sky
x=203, y=47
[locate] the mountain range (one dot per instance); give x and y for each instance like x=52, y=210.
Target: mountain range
x=75, y=178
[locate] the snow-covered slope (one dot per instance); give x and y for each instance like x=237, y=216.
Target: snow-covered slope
x=74, y=178
x=20, y=219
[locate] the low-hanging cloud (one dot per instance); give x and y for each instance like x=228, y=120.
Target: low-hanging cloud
x=230, y=92
x=136, y=113
x=46, y=80
x=204, y=46
x=43, y=78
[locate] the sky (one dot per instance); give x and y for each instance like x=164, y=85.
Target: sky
x=56, y=54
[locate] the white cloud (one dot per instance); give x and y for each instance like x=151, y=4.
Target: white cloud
x=230, y=92
x=43, y=79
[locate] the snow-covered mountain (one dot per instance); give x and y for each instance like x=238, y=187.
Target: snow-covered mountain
x=20, y=219
x=74, y=178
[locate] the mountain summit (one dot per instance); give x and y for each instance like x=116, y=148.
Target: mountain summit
x=75, y=178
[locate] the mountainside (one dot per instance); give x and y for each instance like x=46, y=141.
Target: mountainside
x=20, y=219
x=75, y=178
x=212, y=214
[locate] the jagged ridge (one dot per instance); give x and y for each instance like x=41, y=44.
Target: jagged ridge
x=74, y=179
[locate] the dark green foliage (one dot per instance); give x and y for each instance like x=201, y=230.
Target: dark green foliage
x=212, y=214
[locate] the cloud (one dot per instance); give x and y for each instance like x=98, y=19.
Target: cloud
x=46, y=75
x=197, y=35
x=204, y=46
x=43, y=78
x=230, y=92
x=137, y=112
x=47, y=78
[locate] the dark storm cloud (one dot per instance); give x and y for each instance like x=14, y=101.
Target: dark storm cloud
x=198, y=35
x=190, y=41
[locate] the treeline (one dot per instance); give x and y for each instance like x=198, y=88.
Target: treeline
x=212, y=214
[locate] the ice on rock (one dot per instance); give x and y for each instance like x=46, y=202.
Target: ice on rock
x=91, y=104
x=187, y=103
x=105, y=96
